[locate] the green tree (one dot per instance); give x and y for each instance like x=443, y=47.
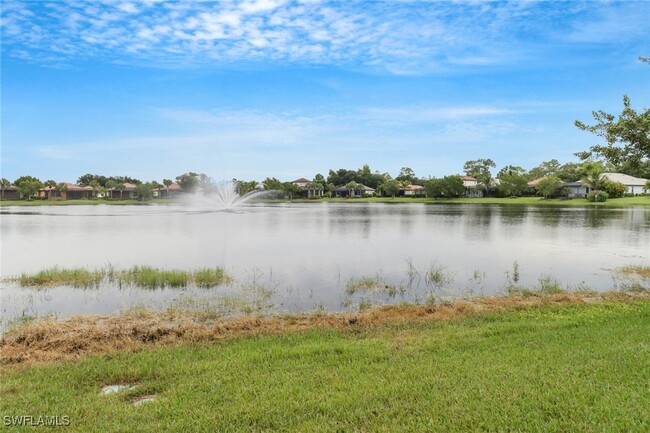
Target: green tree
x=188, y=181
x=627, y=137
x=512, y=181
x=480, y=169
x=352, y=187
x=646, y=187
x=62, y=188
x=120, y=187
x=390, y=187
x=96, y=187
x=448, y=187
x=549, y=186
x=406, y=176
x=4, y=183
x=110, y=186
x=593, y=176
x=290, y=190
x=613, y=189
x=244, y=187
x=144, y=191
x=28, y=186
x=272, y=184
x=546, y=168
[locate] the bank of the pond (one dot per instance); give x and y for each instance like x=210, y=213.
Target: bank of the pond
x=544, y=363
x=530, y=201
x=535, y=201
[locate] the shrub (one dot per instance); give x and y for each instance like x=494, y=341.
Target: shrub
x=597, y=196
x=614, y=189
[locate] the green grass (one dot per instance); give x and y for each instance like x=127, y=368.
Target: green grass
x=555, y=368
x=80, y=202
x=537, y=201
x=370, y=284
x=141, y=276
x=55, y=276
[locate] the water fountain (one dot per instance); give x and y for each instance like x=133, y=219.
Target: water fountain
x=223, y=196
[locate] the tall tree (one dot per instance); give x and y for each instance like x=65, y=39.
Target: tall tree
x=28, y=186
x=627, y=137
x=480, y=169
x=62, y=188
x=4, y=183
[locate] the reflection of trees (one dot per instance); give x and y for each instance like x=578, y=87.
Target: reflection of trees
x=478, y=220
x=513, y=215
x=550, y=217
x=596, y=218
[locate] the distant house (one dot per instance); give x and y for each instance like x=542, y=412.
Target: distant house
x=173, y=190
x=362, y=191
x=9, y=193
x=413, y=191
x=72, y=192
x=471, y=186
x=577, y=189
x=301, y=183
x=634, y=184
x=128, y=192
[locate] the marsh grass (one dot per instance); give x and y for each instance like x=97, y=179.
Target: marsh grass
x=370, y=284
x=438, y=275
x=56, y=276
x=140, y=276
x=638, y=271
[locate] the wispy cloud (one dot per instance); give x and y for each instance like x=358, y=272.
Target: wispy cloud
x=401, y=37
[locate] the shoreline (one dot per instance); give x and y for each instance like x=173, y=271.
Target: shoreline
x=637, y=201
x=46, y=339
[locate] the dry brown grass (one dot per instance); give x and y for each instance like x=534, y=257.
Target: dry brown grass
x=48, y=340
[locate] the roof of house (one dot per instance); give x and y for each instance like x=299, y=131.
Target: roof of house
x=70, y=187
x=174, y=186
x=625, y=179
x=535, y=182
x=414, y=187
x=468, y=178
x=301, y=180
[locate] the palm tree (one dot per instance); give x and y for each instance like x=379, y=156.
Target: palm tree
x=49, y=184
x=121, y=187
x=352, y=187
x=4, y=183
x=110, y=186
x=594, y=179
x=167, y=183
x=61, y=187
x=95, y=186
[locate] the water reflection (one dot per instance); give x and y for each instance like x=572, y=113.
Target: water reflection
x=307, y=253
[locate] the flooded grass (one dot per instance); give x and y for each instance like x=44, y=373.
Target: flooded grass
x=638, y=271
x=139, y=276
x=555, y=363
x=370, y=284
x=56, y=276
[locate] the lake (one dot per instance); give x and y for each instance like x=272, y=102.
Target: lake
x=306, y=256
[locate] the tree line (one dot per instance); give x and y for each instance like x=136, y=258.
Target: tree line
x=627, y=150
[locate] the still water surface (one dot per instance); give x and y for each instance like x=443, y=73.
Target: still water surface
x=307, y=254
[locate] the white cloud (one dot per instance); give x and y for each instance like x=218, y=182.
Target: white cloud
x=404, y=37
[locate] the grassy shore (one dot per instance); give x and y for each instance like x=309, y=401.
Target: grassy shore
x=547, y=363
x=535, y=201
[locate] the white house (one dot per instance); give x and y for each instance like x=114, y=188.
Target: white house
x=471, y=186
x=300, y=183
x=634, y=184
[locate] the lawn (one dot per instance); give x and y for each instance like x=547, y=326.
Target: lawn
x=536, y=201
x=537, y=368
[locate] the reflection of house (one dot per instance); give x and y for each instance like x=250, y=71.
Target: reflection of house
x=471, y=186
x=361, y=191
x=634, y=184
x=9, y=193
x=414, y=191
x=171, y=191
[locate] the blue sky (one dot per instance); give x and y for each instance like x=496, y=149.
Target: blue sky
x=250, y=89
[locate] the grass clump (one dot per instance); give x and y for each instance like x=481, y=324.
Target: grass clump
x=638, y=270
x=370, y=284
x=210, y=277
x=149, y=277
x=140, y=276
x=56, y=276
